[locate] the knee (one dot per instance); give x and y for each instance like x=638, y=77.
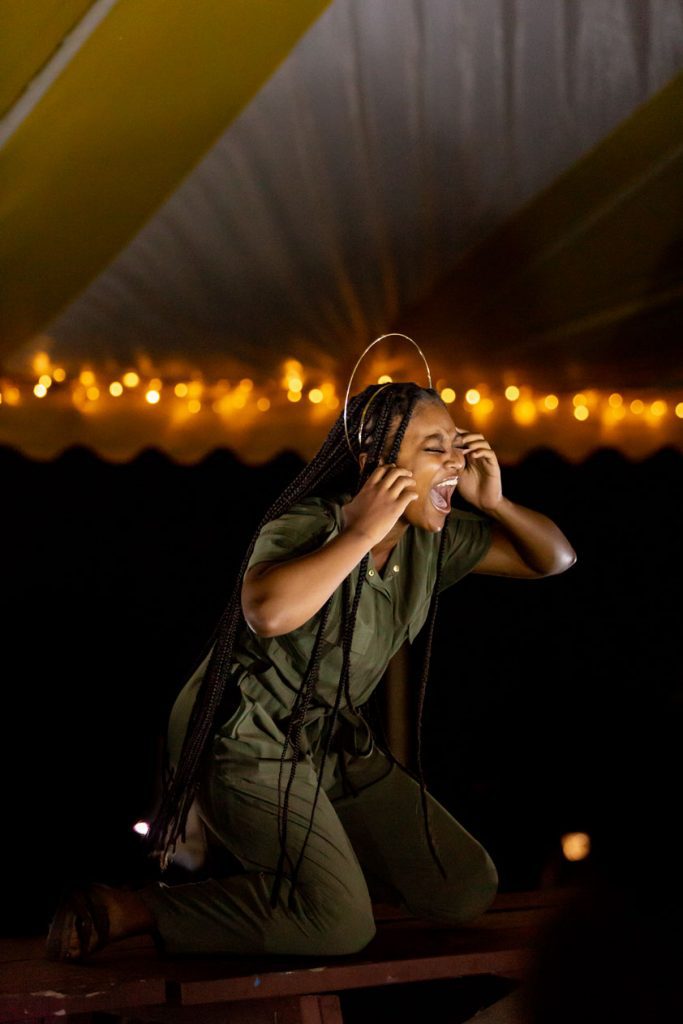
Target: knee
x=342, y=928
x=468, y=891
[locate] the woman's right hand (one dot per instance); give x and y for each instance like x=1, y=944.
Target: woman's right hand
x=380, y=503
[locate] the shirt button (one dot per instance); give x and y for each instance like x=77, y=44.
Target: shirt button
x=371, y=572
x=396, y=568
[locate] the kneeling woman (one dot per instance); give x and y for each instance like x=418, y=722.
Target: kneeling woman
x=268, y=742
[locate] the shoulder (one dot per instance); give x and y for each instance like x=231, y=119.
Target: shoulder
x=305, y=525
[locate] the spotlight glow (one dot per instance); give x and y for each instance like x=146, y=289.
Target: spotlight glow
x=576, y=845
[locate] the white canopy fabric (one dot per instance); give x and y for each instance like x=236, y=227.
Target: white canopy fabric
x=395, y=135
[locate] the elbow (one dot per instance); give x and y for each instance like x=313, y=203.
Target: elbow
x=564, y=560
x=261, y=621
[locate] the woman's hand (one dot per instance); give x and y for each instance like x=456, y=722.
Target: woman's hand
x=480, y=481
x=380, y=503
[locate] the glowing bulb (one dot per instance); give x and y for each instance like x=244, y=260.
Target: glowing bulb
x=152, y=397
x=39, y=390
x=315, y=395
x=679, y=410
x=194, y=405
x=636, y=406
x=448, y=395
x=579, y=399
x=263, y=404
x=384, y=379
x=295, y=384
x=93, y=393
x=131, y=379
x=576, y=845
x=551, y=402
x=180, y=390
x=87, y=378
x=59, y=373
x=294, y=396
x=116, y=388
x=45, y=379
x=141, y=827
x=658, y=408
x=524, y=412
x=472, y=396
x=581, y=412
x=615, y=400
x=41, y=362
x=512, y=393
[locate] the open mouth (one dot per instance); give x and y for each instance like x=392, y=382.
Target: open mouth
x=441, y=494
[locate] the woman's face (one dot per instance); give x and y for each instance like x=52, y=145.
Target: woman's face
x=429, y=451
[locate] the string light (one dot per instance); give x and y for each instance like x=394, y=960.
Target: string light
x=512, y=393
x=581, y=412
x=385, y=379
x=576, y=845
x=131, y=379
x=116, y=388
x=447, y=395
x=316, y=396
x=59, y=374
x=45, y=379
x=472, y=396
x=180, y=390
x=152, y=396
x=87, y=378
x=551, y=402
x=39, y=390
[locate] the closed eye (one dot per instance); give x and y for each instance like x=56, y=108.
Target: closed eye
x=441, y=451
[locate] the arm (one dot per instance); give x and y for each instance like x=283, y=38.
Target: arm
x=525, y=544
x=278, y=597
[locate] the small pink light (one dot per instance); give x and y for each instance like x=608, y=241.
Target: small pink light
x=141, y=827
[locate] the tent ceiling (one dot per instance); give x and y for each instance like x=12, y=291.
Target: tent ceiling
x=395, y=137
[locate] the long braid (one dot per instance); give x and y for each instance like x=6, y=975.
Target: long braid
x=420, y=704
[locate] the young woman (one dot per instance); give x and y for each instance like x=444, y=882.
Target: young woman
x=269, y=747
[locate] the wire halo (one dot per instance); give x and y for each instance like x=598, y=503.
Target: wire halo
x=392, y=334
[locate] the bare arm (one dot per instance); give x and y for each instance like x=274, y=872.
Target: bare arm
x=525, y=544
x=278, y=597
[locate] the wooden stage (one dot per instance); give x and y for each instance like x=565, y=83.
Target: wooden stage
x=130, y=981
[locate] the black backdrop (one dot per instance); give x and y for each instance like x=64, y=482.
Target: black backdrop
x=553, y=706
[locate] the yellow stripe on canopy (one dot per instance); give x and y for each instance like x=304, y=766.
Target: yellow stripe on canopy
x=147, y=94
x=30, y=34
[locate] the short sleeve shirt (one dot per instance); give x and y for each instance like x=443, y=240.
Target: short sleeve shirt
x=393, y=607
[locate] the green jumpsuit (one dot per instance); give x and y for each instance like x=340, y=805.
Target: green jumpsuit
x=373, y=838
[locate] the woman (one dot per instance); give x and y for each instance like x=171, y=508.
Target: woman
x=268, y=742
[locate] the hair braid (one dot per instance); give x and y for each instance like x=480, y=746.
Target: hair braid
x=421, y=700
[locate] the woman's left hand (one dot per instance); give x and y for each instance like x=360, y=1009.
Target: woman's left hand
x=480, y=482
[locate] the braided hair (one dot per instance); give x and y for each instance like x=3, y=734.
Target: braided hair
x=384, y=412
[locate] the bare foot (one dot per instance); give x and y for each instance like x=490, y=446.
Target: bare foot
x=125, y=913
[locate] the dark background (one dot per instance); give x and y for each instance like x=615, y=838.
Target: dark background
x=553, y=705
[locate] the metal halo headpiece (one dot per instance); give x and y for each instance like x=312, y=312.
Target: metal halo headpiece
x=392, y=334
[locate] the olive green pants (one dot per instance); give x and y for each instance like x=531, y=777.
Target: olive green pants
x=371, y=842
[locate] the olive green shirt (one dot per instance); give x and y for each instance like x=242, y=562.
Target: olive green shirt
x=393, y=606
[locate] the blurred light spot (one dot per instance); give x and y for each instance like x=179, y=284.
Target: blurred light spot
x=486, y=406
x=59, y=374
x=576, y=845
x=315, y=396
x=581, y=412
x=194, y=405
x=524, y=412
x=155, y=384
x=86, y=377
x=41, y=362
x=239, y=400
x=12, y=395
x=512, y=393
x=448, y=395
x=152, y=397
x=131, y=379
x=116, y=388
x=45, y=379
x=39, y=390
x=384, y=379
x=246, y=384
x=579, y=399
x=294, y=384
x=472, y=396
x=180, y=390
x=679, y=410
x=195, y=388
x=294, y=396
x=636, y=406
x=658, y=408
x=141, y=827
x=263, y=404
x=93, y=393
x=551, y=402
x=615, y=400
